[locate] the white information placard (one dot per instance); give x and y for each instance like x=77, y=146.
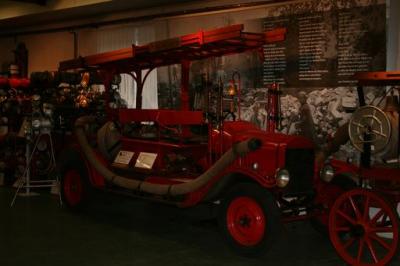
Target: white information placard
x=146, y=160
x=124, y=157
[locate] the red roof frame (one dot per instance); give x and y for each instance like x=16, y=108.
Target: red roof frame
x=191, y=47
x=379, y=78
x=180, y=50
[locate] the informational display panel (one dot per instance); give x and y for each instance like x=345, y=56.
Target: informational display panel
x=146, y=160
x=326, y=48
x=124, y=157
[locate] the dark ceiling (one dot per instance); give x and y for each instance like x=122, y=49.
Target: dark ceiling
x=10, y=25
x=99, y=14
x=37, y=2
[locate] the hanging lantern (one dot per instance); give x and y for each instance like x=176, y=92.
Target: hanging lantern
x=232, y=88
x=82, y=100
x=85, y=80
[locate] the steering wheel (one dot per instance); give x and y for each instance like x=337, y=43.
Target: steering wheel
x=369, y=124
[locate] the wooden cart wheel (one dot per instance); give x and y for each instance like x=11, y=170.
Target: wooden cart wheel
x=364, y=228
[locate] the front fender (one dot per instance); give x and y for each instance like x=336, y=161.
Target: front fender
x=342, y=167
x=221, y=185
x=73, y=154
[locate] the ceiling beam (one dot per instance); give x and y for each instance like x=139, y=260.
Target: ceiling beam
x=37, y=2
x=7, y=31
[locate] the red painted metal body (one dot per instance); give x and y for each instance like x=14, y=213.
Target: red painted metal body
x=95, y=178
x=172, y=135
x=171, y=129
x=161, y=117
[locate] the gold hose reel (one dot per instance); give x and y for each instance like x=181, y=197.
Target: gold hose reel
x=369, y=124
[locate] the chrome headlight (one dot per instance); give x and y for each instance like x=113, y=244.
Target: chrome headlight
x=254, y=166
x=327, y=173
x=282, y=178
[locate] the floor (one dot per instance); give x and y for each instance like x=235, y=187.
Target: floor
x=117, y=231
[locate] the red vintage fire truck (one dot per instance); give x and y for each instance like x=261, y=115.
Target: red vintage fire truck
x=253, y=179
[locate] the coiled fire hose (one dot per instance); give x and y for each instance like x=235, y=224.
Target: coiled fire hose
x=238, y=150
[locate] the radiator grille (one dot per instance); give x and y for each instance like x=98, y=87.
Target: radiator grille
x=300, y=163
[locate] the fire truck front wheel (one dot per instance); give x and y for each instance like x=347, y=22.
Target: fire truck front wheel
x=249, y=219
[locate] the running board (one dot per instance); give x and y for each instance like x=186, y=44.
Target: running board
x=176, y=201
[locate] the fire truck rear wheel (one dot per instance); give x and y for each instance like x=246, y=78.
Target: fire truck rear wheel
x=249, y=219
x=75, y=187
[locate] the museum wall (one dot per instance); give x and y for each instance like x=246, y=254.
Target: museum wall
x=330, y=103
x=7, y=45
x=393, y=47
x=59, y=46
x=45, y=50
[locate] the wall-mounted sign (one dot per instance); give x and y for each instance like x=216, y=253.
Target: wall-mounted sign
x=326, y=48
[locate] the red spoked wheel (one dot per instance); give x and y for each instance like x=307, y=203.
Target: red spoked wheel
x=246, y=221
x=249, y=219
x=72, y=188
x=364, y=228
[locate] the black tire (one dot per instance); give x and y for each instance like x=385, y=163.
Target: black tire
x=236, y=214
x=75, y=187
x=341, y=183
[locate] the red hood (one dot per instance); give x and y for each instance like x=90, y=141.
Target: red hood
x=241, y=130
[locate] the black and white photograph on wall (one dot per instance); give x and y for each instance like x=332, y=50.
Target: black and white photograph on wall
x=326, y=43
